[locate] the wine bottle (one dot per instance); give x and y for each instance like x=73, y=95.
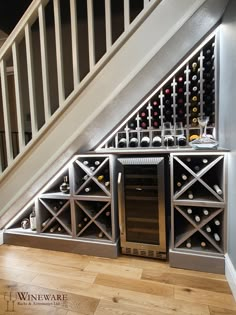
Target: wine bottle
x=86, y=163
x=122, y=143
x=100, y=234
x=33, y=225
x=197, y=218
x=145, y=141
x=179, y=184
x=203, y=244
x=216, y=237
x=133, y=142
x=188, y=243
x=92, y=168
x=143, y=124
x=87, y=189
x=217, y=222
x=181, y=140
x=85, y=177
x=180, y=79
x=100, y=178
x=156, y=141
x=194, y=77
x=193, y=137
x=80, y=225
x=169, y=141
x=189, y=211
x=155, y=103
x=208, y=228
x=25, y=223
x=194, y=66
x=194, y=109
x=190, y=195
x=54, y=228
x=59, y=229
x=97, y=163
x=205, y=211
x=45, y=222
x=155, y=124
x=188, y=160
x=180, y=90
x=217, y=189
x=194, y=98
x=107, y=184
x=184, y=176
x=167, y=91
x=204, y=161
x=85, y=219
x=196, y=168
x=64, y=187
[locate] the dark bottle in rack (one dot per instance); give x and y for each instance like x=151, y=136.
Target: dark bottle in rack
x=155, y=103
x=197, y=218
x=188, y=243
x=86, y=163
x=178, y=184
x=87, y=189
x=189, y=211
x=218, y=189
x=64, y=187
x=100, y=234
x=181, y=140
x=169, y=141
x=194, y=66
x=97, y=163
x=167, y=91
x=156, y=141
x=133, y=142
x=217, y=222
x=44, y=223
x=205, y=211
x=143, y=124
x=54, y=228
x=208, y=228
x=122, y=143
x=145, y=141
x=132, y=125
x=216, y=237
x=190, y=195
x=155, y=124
x=203, y=244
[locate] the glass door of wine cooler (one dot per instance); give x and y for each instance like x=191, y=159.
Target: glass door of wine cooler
x=141, y=207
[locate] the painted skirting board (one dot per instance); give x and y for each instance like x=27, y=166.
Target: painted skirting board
x=230, y=274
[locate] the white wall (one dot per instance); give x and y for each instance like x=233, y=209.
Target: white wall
x=227, y=121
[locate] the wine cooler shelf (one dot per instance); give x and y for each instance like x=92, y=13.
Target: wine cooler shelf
x=198, y=203
x=77, y=204
x=170, y=116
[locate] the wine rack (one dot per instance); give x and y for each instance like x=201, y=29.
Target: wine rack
x=78, y=205
x=198, y=193
x=187, y=95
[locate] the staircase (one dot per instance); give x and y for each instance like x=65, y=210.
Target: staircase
x=68, y=106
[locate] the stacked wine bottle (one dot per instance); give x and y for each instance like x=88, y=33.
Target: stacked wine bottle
x=187, y=96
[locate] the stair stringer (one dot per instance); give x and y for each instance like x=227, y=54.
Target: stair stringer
x=138, y=66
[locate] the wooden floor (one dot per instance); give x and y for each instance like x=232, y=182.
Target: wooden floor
x=67, y=284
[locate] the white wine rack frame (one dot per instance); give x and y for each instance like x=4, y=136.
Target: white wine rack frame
x=76, y=213
x=177, y=106
x=197, y=228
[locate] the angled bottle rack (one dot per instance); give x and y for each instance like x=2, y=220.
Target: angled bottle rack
x=198, y=194
x=188, y=93
x=78, y=205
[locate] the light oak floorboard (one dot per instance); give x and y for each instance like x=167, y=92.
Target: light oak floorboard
x=205, y=297
x=114, y=269
x=220, y=311
x=188, y=281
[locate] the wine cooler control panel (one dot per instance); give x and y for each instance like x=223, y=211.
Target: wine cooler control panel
x=172, y=114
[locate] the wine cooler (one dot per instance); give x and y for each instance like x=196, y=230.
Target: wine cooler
x=141, y=198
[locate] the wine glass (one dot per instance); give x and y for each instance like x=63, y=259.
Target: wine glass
x=203, y=121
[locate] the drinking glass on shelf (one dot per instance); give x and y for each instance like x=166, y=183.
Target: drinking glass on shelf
x=203, y=121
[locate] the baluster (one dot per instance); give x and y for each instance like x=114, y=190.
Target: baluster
x=108, y=24
x=59, y=52
x=44, y=61
x=126, y=14
x=74, y=42
x=91, y=40
x=31, y=80
x=6, y=112
x=19, y=105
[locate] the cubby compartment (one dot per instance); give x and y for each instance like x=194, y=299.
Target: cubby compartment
x=60, y=185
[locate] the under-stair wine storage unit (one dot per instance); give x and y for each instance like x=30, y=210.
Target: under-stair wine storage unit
x=141, y=203
x=198, y=214
x=76, y=212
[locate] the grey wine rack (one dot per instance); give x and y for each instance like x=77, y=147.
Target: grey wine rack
x=85, y=213
x=198, y=212
x=187, y=95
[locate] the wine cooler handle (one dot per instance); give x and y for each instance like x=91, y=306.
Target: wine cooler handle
x=120, y=201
